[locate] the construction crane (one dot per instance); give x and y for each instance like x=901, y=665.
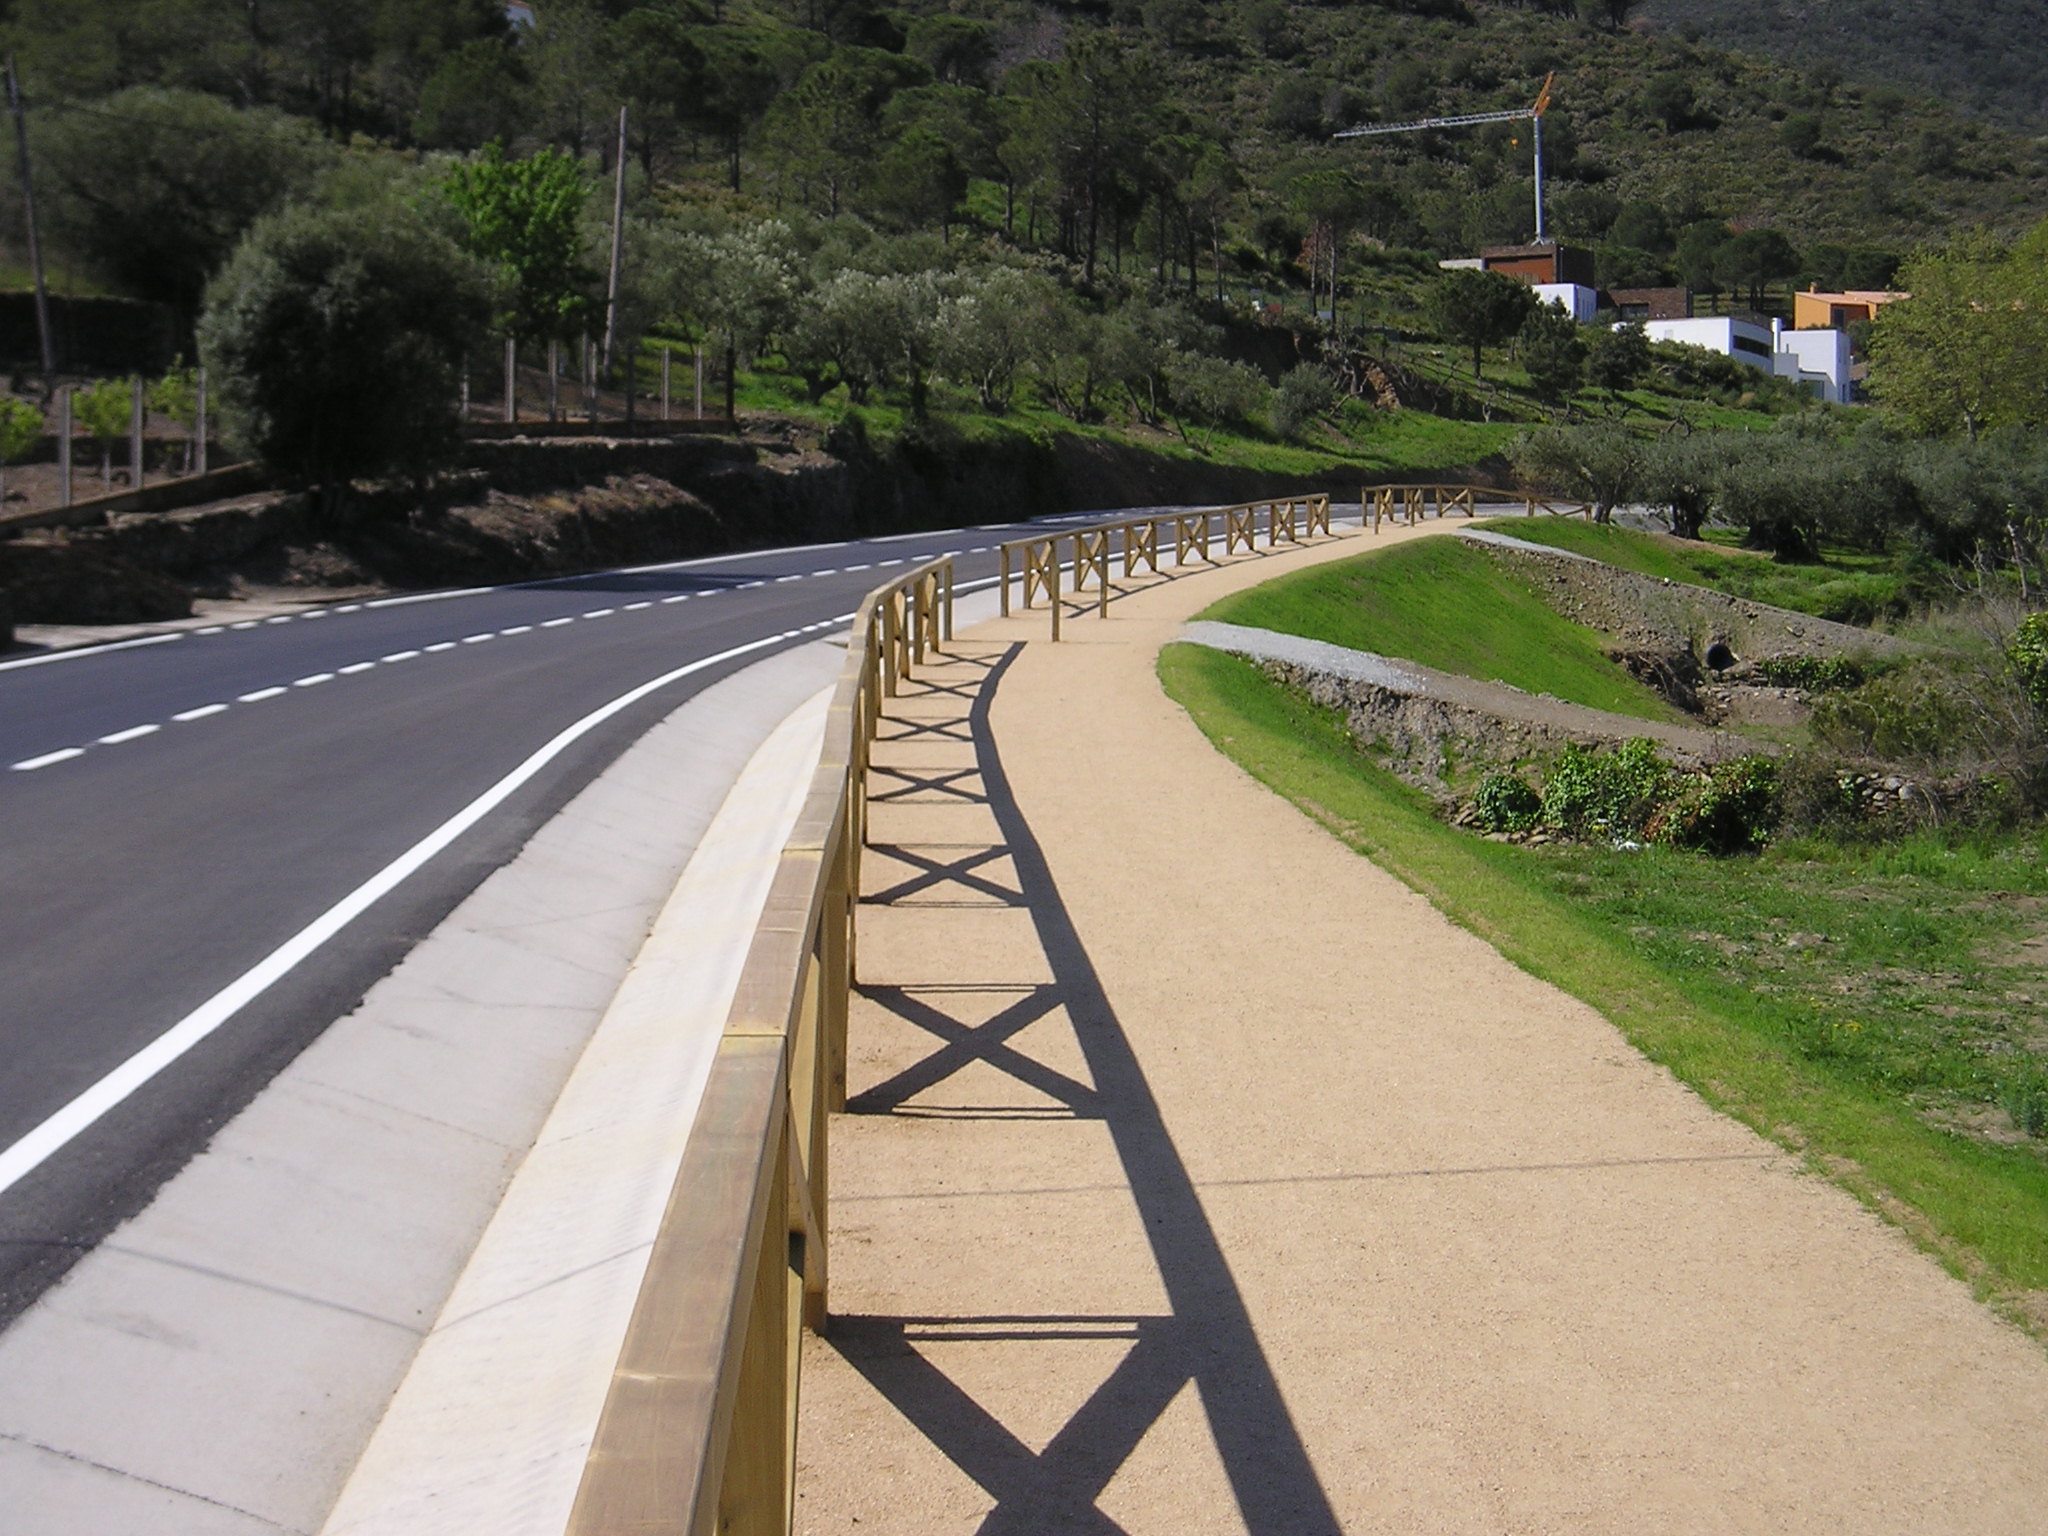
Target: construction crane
x=1530, y=114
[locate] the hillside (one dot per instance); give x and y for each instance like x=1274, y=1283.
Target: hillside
x=1989, y=58
x=1214, y=150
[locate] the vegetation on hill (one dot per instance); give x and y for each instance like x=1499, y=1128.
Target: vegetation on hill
x=1128, y=215
x=1987, y=59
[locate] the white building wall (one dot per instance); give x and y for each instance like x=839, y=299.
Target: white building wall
x=1819, y=358
x=1579, y=302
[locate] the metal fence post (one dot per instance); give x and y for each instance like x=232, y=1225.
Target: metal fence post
x=199, y=430
x=64, y=446
x=135, y=420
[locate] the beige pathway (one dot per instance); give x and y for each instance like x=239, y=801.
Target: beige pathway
x=1198, y=1176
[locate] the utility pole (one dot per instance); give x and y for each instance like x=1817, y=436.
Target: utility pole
x=611, y=297
x=35, y=242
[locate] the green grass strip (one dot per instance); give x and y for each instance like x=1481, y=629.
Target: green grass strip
x=1982, y=1210
x=1447, y=604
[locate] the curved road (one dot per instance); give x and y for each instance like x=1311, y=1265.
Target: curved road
x=213, y=843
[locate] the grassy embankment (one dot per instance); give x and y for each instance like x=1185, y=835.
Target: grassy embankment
x=1863, y=1005
x=1446, y=603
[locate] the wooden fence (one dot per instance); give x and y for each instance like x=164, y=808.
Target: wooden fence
x=698, y=1433
x=1410, y=504
x=1039, y=562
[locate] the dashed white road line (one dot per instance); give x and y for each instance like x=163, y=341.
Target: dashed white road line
x=201, y=712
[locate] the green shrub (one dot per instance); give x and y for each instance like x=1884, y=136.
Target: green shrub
x=1814, y=673
x=2023, y=1095
x=1817, y=793
x=1604, y=793
x=1305, y=393
x=1733, y=809
x=2028, y=652
x=1917, y=713
x=1506, y=803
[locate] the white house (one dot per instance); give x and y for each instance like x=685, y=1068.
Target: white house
x=1575, y=299
x=1819, y=359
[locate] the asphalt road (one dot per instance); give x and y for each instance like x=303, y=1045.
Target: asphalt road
x=177, y=812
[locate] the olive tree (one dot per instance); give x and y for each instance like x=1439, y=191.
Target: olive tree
x=337, y=337
x=1599, y=464
x=152, y=189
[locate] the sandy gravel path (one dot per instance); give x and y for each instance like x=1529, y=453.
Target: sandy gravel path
x=1202, y=1178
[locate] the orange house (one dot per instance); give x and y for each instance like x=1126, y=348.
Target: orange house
x=1817, y=311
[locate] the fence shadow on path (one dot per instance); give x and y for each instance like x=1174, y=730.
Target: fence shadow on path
x=1207, y=1337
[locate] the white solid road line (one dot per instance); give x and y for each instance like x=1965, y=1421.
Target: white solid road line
x=62, y=754
x=114, y=645
x=54, y=1133
x=200, y=713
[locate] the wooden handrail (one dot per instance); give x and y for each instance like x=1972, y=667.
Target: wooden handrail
x=1036, y=560
x=1411, y=503
x=698, y=1432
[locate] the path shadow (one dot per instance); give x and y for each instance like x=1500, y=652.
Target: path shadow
x=1207, y=1338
